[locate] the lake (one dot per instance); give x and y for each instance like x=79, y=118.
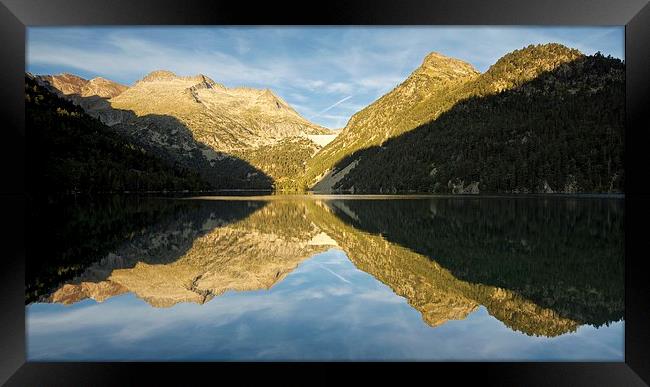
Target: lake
x=309, y=277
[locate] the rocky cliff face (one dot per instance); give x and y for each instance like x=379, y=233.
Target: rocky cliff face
x=72, y=85
x=223, y=118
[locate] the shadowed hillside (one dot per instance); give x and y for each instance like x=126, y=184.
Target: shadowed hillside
x=71, y=152
x=542, y=119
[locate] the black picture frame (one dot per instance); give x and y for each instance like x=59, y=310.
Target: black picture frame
x=15, y=15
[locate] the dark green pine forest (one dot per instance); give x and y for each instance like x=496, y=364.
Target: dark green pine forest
x=562, y=131
x=72, y=152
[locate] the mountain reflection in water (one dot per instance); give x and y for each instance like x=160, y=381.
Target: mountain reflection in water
x=543, y=267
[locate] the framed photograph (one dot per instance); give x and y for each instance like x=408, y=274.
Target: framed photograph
x=398, y=188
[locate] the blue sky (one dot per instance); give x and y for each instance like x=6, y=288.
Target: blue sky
x=326, y=73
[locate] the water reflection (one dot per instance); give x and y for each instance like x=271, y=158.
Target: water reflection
x=541, y=267
x=199, y=258
x=563, y=255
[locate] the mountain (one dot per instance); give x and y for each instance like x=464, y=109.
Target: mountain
x=545, y=118
x=70, y=85
x=223, y=118
x=72, y=152
x=420, y=98
x=200, y=123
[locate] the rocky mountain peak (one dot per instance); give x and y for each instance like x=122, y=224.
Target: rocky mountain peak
x=71, y=77
x=269, y=97
x=66, y=83
x=440, y=66
x=434, y=58
x=201, y=78
x=159, y=75
x=99, y=80
x=197, y=82
x=70, y=84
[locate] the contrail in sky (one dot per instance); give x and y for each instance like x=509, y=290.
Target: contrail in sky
x=336, y=104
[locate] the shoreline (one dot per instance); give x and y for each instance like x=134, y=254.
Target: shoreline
x=243, y=194
x=323, y=196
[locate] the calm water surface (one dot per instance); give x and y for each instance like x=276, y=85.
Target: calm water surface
x=327, y=278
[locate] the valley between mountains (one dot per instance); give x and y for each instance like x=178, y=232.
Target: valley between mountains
x=542, y=119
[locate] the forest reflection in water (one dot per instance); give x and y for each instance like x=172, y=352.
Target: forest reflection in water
x=541, y=277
